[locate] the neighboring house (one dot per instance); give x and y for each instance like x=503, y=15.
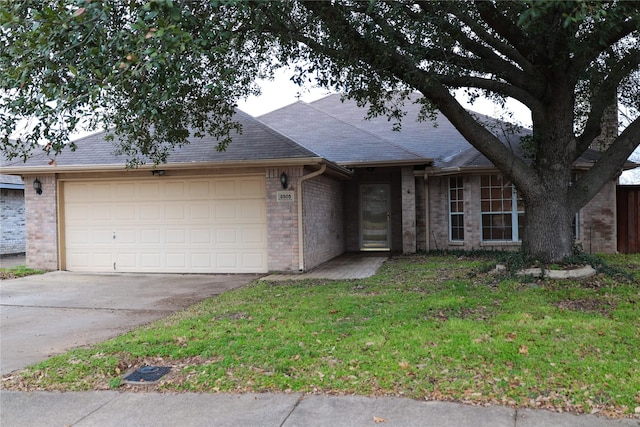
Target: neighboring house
x=12, y=237
x=298, y=187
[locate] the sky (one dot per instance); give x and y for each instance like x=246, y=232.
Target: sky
x=282, y=91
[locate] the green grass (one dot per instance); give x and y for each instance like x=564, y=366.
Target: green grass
x=18, y=271
x=425, y=327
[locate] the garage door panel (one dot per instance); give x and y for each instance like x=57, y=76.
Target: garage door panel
x=176, y=260
x=227, y=261
x=150, y=213
x=251, y=210
x=254, y=236
x=126, y=191
x=201, y=236
x=174, y=191
x=150, y=261
x=126, y=260
x=227, y=236
x=199, y=190
x=175, y=236
x=149, y=191
x=253, y=260
x=78, y=236
x=204, y=225
x=125, y=212
x=102, y=260
x=150, y=237
x=99, y=212
x=77, y=260
x=200, y=211
x=252, y=188
x=77, y=213
x=98, y=192
x=101, y=237
x=126, y=236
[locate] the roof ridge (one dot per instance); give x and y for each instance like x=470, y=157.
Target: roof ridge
x=289, y=141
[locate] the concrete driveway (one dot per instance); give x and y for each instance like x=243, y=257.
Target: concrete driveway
x=44, y=315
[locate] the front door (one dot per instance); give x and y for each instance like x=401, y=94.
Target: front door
x=375, y=224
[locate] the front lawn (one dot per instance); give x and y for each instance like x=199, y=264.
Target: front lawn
x=426, y=327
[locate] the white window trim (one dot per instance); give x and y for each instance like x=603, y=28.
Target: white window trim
x=452, y=214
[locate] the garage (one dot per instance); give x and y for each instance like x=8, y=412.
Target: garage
x=163, y=224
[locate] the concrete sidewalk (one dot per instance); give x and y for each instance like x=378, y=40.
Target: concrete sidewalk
x=111, y=408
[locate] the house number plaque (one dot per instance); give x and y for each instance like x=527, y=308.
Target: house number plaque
x=285, y=196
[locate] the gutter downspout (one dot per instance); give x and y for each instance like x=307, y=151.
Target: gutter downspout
x=300, y=224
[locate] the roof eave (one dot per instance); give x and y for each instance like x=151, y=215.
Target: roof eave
x=386, y=163
x=47, y=169
x=286, y=162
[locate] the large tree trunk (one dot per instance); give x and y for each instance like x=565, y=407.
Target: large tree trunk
x=548, y=235
x=548, y=232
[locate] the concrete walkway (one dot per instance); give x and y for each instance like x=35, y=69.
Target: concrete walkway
x=346, y=266
x=111, y=408
x=47, y=314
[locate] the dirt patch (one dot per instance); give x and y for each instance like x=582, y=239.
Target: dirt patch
x=233, y=316
x=587, y=306
x=475, y=313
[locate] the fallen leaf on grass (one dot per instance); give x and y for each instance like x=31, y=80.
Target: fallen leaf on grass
x=510, y=337
x=523, y=349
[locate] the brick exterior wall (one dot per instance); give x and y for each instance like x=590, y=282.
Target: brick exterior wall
x=421, y=215
x=597, y=220
x=41, y=223
x=597, y=231
x=12, y=219
x=282, y=221
x=323, y=220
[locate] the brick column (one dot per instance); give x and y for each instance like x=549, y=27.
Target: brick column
x=41, y=217
x=282, y=221
x=408, y=188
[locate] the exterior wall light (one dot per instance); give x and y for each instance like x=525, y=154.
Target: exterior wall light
x=37, y=185
x=284, y=180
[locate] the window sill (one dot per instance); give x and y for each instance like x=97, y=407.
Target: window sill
x=502, y=243
x=456, y=242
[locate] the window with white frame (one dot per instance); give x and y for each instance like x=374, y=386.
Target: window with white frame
x=456, y=209
x=502, y=209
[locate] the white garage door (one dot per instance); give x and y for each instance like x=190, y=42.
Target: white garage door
x=166, y=225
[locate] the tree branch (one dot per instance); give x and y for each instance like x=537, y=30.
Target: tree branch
x=608, y=166
x=603, y=99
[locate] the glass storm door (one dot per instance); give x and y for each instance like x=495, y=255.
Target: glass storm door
x=375, y=221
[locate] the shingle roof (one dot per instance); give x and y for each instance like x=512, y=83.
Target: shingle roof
x=472, y=158
x=336, y=139
x=256, y=142
x=310, y=125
